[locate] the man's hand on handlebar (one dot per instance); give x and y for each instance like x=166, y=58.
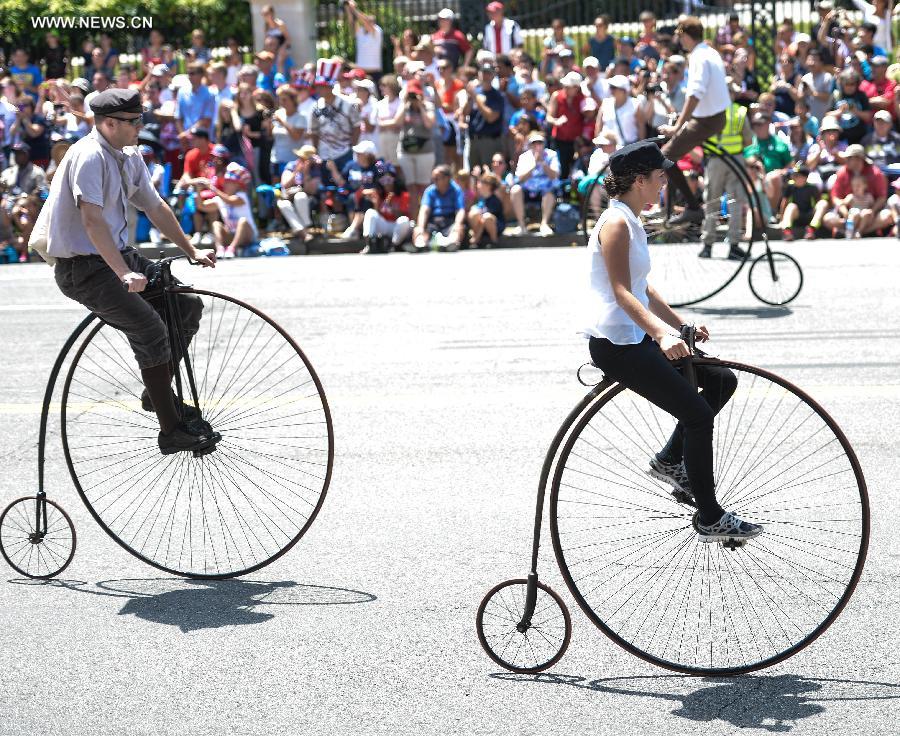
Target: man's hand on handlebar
x=134, y=282
x=205, y=257
x=701, y=334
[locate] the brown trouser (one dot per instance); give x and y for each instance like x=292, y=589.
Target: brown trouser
x=695, y=132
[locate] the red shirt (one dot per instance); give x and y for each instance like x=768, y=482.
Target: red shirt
x=575, y=118
x=195, y=162
x=876, y=181
x=884, y=88
x=454, y=43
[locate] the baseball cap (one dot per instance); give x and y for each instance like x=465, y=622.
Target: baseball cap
x=761, y=117
x=565, y=52
x=199, y=132
x=590, y=61
x=883, y=115
x=82, y=84
x=487, y=67
x=159, y=70
x=829, y=124
x=619, y=81
x=235, y=172
x=494, y=7
x=627, y=40
x=536, y=135
x=855, y=150
x=145, y=150
x=220, y=151
x=21, y=146
x=366, y=147
x=640, y=155
x=572, y=79
x=447, y=14
x=414, y=87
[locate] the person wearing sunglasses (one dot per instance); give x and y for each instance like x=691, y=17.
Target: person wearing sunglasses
x=85, y=223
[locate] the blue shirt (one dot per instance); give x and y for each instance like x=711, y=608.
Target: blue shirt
x=195, y=105
x=538, y=114
x=27, y=76
x=446, y=204
x=478, y=125
x=271, y=81
x=604, y=51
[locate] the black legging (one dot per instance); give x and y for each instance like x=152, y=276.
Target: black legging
x=645, y=370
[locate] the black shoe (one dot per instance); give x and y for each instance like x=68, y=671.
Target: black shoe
x=687, y=217
x=186, y=438
x=706, y=252
x=188, y=413
x=736, y=254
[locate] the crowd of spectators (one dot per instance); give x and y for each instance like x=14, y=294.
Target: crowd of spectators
x=456, y=140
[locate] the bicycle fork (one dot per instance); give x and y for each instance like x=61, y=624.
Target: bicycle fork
x=40, y=519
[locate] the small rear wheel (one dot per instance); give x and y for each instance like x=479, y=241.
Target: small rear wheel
x=775, y=278
x=36, y=542
x=524, y=649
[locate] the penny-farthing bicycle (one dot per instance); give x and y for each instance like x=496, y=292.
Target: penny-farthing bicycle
x=688, y=278
x=228, y=510
x=628, y=551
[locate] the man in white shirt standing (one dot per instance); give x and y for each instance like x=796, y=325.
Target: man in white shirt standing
x=502, y=34
x=369, y=39
x=703, y=115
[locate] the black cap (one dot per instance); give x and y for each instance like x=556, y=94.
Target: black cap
x=640, y=155
x=802, y=170
x=113, y=101
x=201, y=132
x=20, y=146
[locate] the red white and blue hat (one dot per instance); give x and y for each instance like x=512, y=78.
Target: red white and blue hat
x=235, y=172
x=327, y=71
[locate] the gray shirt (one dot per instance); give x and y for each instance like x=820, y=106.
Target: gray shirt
x=93, y=171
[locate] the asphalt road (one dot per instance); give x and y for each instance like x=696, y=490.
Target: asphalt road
x=447, y=377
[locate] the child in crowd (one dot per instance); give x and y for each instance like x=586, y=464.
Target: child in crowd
x=237, y=227
x=463, y=180
x=856, y=207
x=801, y=205
x=486, y=216
x=894, y=206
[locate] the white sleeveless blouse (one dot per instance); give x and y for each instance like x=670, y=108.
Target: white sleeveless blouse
x=603, y=316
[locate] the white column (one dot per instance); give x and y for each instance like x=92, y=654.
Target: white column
x=300, y=17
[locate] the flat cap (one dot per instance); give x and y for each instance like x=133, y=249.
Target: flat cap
x=638, y=156
x=117, y=100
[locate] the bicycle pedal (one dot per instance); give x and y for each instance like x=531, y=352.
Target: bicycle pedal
x=733, y=544
x=683, y=497
x=211, y=447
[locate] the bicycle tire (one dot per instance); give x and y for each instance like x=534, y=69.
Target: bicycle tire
x=788, y=587
x=267, y=479
x=679, y=273
x=550, y=642
x=782, y=289
x=18, y=550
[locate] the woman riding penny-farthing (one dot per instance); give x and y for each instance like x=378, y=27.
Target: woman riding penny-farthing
x=710, y=533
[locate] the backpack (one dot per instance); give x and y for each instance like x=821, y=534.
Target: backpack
x=566, y=218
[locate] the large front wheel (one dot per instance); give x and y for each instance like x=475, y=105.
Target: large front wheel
x=225, y=513
x=633, y=561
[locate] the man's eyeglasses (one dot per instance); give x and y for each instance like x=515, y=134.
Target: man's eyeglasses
x=135, y=122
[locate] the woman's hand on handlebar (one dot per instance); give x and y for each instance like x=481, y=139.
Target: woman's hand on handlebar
x=673, y=347
x=701, y=334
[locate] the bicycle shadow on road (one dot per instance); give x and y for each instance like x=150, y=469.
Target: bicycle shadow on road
x=773, y=703
x=192, y=605
x=738, y=312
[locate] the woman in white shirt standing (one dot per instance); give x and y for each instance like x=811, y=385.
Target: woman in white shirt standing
x=387, y=131
x=629, y=327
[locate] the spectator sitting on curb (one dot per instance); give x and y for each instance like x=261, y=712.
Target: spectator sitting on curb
x=537, y=179
x=876, y=185
x=441, y=214
x=357, y=176
x=486, y=219
x=386, y=219
x=237, y=227
x=301, y=182
x=775, y=154
x=883, y=144
x=801, y=205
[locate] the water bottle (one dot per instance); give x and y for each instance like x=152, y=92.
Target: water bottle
x=848, y=226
